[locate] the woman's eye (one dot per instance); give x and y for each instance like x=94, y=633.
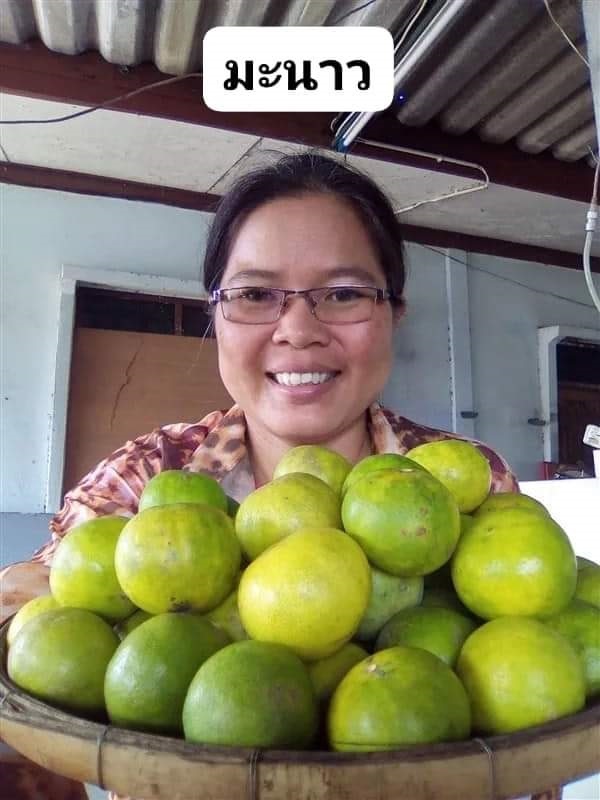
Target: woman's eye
x=257, y=295
x=345, y=294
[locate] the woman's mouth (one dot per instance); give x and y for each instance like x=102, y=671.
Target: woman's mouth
x=301, y=378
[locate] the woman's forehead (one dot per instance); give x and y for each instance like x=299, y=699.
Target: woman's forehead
x=318, y=233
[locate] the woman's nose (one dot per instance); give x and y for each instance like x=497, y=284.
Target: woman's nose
x=298, y=326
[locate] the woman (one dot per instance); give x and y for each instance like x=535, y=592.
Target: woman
x=305, y=272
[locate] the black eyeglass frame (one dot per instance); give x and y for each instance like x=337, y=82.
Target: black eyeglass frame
x=219, y=296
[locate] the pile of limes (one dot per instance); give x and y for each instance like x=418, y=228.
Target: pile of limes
x=360, y=608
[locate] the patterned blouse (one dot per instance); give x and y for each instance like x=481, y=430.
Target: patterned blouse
x=215, y=445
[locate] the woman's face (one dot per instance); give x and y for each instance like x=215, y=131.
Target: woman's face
x=305, y=242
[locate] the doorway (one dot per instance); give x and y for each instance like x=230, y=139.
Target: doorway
x=578, y=383
x=138, y=362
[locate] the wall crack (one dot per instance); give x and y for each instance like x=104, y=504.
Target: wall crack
x=125, y=383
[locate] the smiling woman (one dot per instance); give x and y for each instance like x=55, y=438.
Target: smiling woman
x=341, y=334
x=305, y=273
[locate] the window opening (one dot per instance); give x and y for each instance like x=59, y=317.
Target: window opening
x=578, y=379
x=108, y=309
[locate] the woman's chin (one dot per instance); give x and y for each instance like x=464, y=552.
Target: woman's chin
x=304, y=428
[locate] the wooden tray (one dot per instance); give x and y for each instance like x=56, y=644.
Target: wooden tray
x=160, y=768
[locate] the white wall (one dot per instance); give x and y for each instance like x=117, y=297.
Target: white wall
x=509, y=301
x=419, y=386
x=42, y=230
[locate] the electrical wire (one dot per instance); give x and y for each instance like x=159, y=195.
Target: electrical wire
x=410, y=25
x=342, y=122
x=352, y=11
x=104, y=104
x=592, y=214
x=503, y=278
x=590, y=227
x=438, y=158
x=565, y=34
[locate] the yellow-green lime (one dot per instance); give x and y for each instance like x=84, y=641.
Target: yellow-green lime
x=180, y=486
x=442, y=577
x=389, y=594
x=83, y=574
x=441, y=631
x=323, y=463
x=406, y=521
x=284, y=505
x=582, y=563
x=376, y=462
x=31, y=609
x=148, y=676
x=307, y=592
x=519, y=672
x=61, y=656
x=123, y=628
x=326, y=673
x=579, y=622
x=514, y=562
x=588, y=585
x=466, y=520
x=460, y=466
x=400, y=696
x=227, y=617
x=252, y=694
x=504, y=501
x=443, y=597
x=180, y=557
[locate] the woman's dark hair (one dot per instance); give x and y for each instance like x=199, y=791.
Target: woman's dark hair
x=293, y=175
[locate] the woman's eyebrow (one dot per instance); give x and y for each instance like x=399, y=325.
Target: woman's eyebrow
x=253, y=274
x=353, y=272
x=272, y=277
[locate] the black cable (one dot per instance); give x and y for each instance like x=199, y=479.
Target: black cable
x=502, y=278
x=106, y=103
x=353, y=11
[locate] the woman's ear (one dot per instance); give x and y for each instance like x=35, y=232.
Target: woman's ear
x=398, y=311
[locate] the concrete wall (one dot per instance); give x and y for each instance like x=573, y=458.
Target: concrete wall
x=506, y=302
x=509, y=301
x=40, y=232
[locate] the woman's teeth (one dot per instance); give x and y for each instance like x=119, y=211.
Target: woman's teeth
x=297, y=378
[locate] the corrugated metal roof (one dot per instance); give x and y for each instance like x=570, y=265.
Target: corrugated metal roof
x=502, y=68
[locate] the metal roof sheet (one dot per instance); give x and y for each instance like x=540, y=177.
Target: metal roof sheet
x=503, y=68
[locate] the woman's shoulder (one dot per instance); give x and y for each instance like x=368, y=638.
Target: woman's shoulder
x=174, y=441
x=409, y=434
x=168, y=446
x=115, y=484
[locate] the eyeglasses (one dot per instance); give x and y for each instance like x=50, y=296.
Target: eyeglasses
x=334, y=305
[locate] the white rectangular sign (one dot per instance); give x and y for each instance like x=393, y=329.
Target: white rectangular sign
x=298, y=68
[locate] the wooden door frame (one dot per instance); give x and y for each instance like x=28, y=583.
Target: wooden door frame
x=70, y=278
x=548, y=340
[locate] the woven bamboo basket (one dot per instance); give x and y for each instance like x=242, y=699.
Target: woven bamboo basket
x=161, y=768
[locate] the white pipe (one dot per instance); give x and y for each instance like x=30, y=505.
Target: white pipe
x=587, y=247
x=590, y=227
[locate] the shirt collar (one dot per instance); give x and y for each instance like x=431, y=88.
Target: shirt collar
x=224, y=454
